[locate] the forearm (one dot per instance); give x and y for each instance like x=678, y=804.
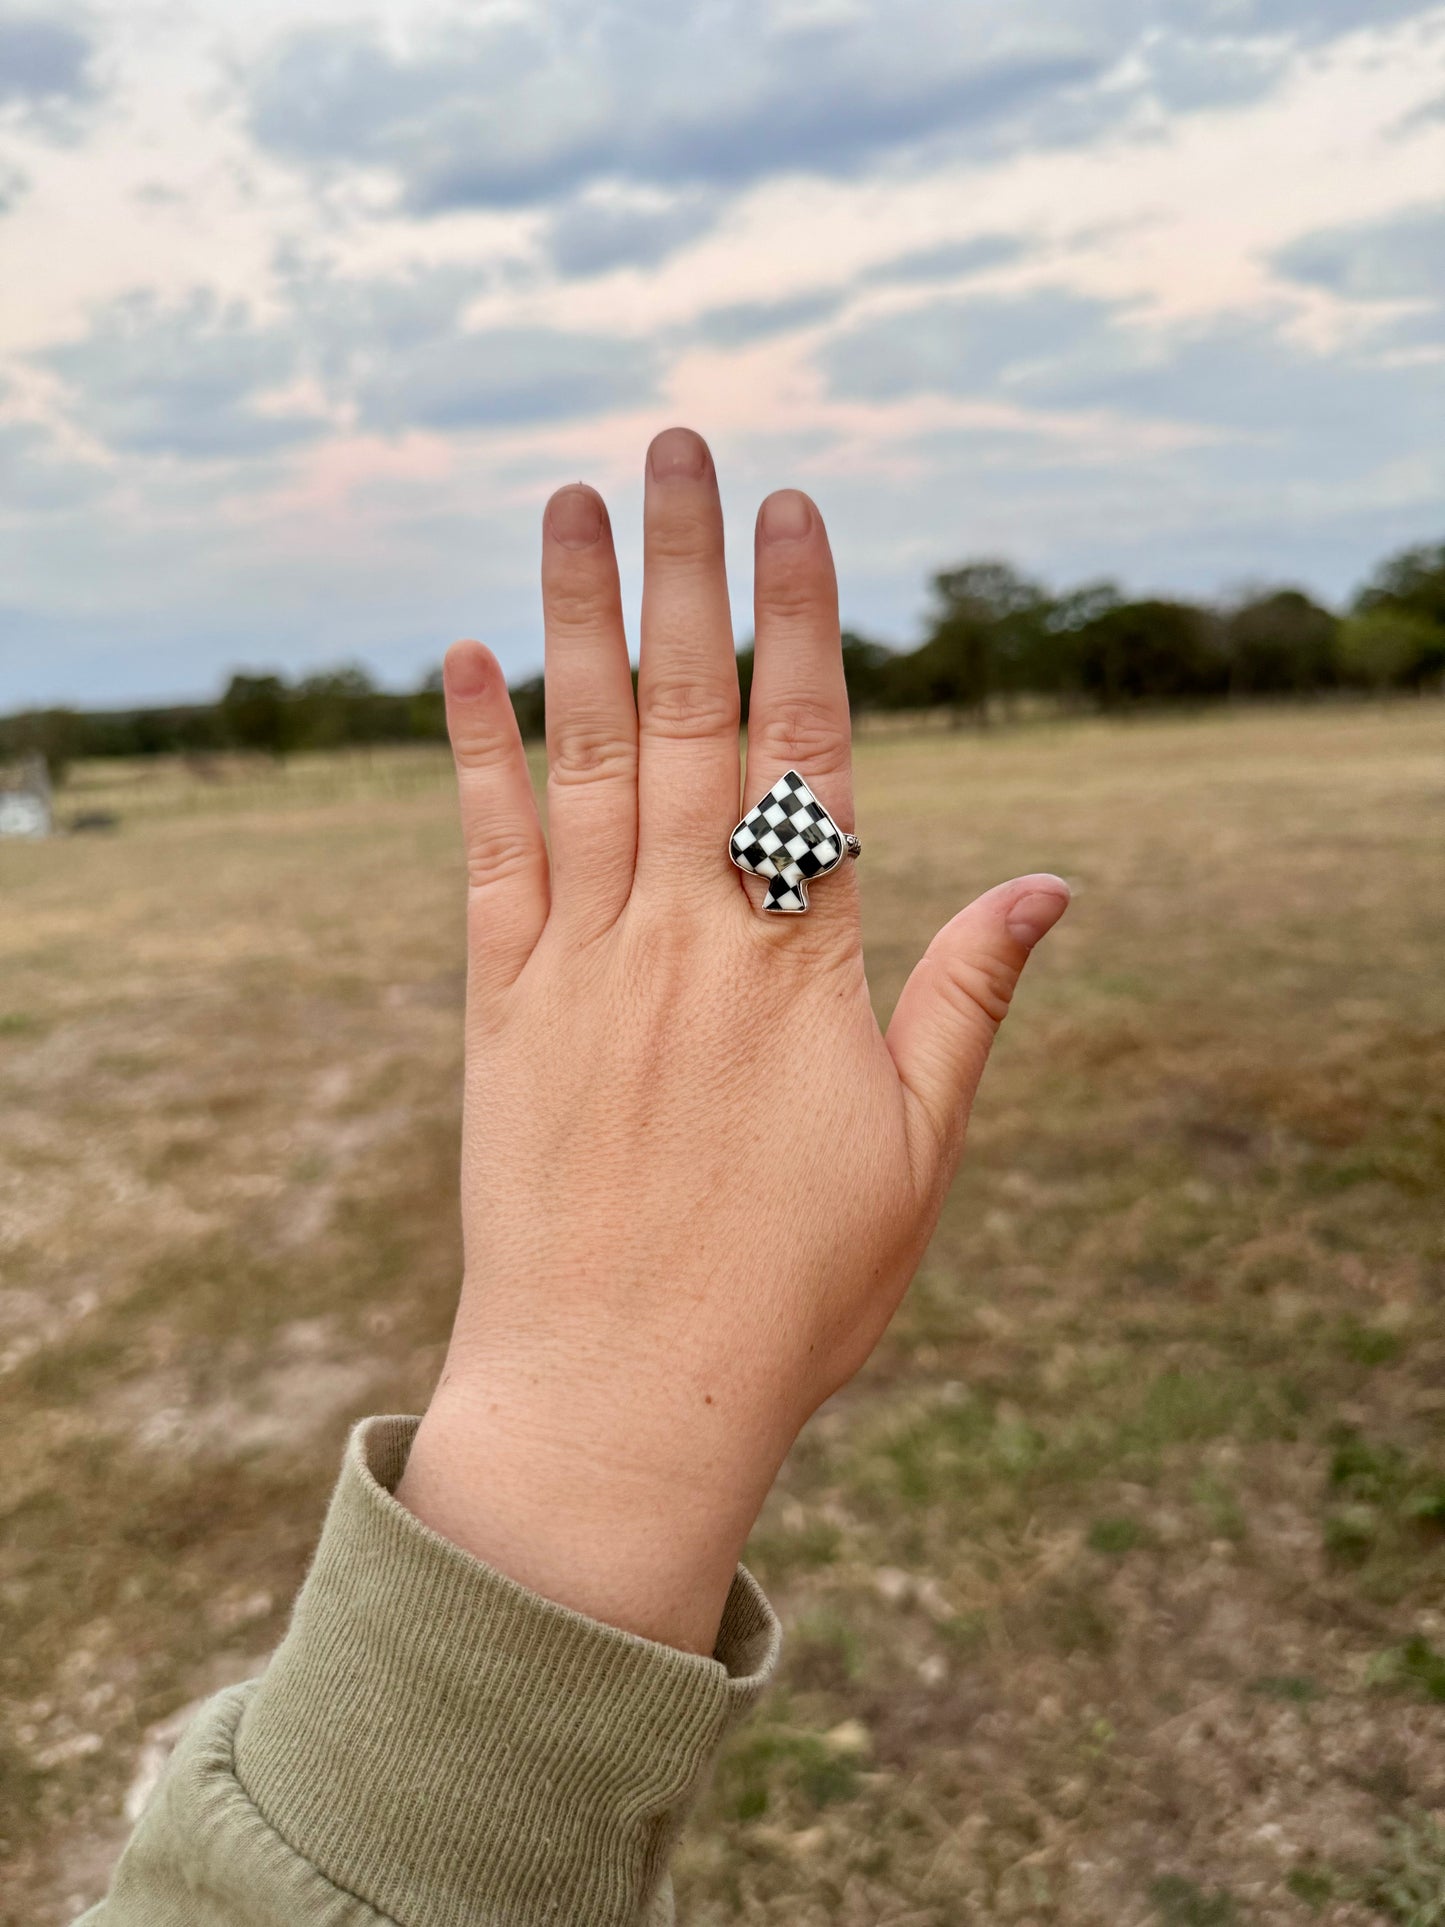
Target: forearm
x=432, y=1743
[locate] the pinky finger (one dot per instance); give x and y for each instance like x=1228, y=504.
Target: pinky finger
x=507, y=889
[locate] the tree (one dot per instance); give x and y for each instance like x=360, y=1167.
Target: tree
x=1280, y=643
x=530, y=704
x=1388, y=648
x=991, y=632
x=339, y=706
x=254, y=714
x=865, y=670
x=427, y=709
x=1153, y=651
x=1060, y=648
x=746, y=661
x=1410, y=587
x=985, y=634
x=1412, y=582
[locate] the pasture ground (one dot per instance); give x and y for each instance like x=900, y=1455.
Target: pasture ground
x=1113, y=1587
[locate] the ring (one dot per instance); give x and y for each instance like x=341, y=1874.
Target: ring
x=790, y=839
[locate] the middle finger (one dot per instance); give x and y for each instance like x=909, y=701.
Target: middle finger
x=687, y=684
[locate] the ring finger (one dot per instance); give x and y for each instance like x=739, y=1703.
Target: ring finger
x=798, y=711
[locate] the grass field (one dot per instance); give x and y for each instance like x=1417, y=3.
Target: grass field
x=1115, y=1588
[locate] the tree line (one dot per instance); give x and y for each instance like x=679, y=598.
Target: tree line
x=993, y=639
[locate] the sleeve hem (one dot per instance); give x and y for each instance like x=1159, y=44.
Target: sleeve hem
x=231, y=1849
x=450, y=1747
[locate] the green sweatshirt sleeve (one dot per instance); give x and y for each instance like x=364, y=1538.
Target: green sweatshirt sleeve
x=433, y=1745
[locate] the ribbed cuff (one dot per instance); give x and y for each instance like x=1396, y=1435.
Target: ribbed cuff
x=451, y=1748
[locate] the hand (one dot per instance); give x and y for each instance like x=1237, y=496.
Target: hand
x=696, y=1179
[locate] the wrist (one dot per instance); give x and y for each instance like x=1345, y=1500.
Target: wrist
x=618, y=1511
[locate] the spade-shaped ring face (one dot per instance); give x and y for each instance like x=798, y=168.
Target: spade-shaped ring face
x=790, y=839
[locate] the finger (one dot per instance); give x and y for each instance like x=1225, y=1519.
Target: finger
x=687, y=685
x=953, y=1004
x=591, y=717
x=506, y=856
x=798, y=709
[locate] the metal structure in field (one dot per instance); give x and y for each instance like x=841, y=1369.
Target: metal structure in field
x=26, y=808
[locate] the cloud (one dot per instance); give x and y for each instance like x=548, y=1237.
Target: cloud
x=951, y=260
x=614, y=135
x=1428, y=114
x=525, y=109
x=184, y=381
x=42, y=61
x=529, y=105
x=398, y=350
x=590, y=234
x=1189, y=70
x=12, y=188
x=1399, y=258
x=1424, y=328
x=1261, y=401
x=1315, y=20
x=345, y=322
x=743, y=322
x=204, y=381
x=962, y=346
x=36, y=478
x=505, y=378
x=1267, y=400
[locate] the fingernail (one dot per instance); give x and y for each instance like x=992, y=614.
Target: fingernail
x=1035, y=914
x=677, y=451
x=574, y=515
x=786, y=516
x=465, y=670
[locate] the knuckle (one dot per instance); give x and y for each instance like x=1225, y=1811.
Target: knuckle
x=592, y=760
x=588, y=750
x=686, y=708
x=662, y=944
x=797, y=595
x=481, y=751
x=807, y=729
x=655, y=929
x=826, y=957
x=977, y=987
x=684, y=535
x=500, y=858
x=578, y=602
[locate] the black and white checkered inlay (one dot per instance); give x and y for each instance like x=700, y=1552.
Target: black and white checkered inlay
x=790, y=839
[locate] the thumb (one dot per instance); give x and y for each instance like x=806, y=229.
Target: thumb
x=954, y=1002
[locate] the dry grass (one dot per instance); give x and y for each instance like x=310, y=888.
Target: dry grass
x=1113, y=1586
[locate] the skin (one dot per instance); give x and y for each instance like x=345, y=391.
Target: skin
x=696, y=1177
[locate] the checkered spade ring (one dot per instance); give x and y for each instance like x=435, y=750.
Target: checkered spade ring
x=790, y=839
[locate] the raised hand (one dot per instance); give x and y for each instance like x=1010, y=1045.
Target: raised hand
x=696, y=1178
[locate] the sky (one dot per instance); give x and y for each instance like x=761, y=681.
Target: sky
x=306, y=307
